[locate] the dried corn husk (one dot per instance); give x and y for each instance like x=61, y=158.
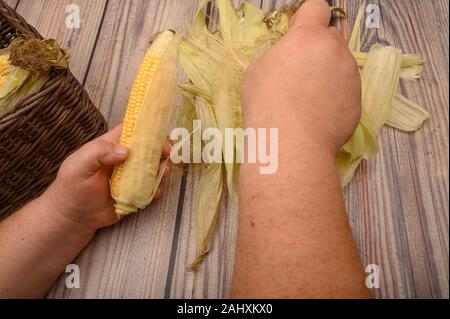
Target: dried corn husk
x=33, y=61
x=227, y=110
x=210, y=189
x=380, y=105
x=209, y=193
x=411, y=65
x=215, y=63
x=38, y=56
x=380, y=78
x=406, y=115
x=215, y=60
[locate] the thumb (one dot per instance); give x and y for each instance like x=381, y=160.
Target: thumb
x=95, y=155
x=312, y=13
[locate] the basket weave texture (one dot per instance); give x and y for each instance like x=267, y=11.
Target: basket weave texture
x=42, y=129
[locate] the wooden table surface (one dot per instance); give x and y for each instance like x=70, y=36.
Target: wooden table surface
x=397, y=203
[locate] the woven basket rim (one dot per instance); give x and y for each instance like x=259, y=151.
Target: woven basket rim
x=21, y=27
x=42, y=129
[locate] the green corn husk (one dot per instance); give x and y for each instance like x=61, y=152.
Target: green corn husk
x=380, y=105
x=14, y=81
x=215, y=61
x=33, y=61
x=227, y=110
x=411, y=65
x=210, y=190
x=380, y=78
x=406, y=115
x=18, y=86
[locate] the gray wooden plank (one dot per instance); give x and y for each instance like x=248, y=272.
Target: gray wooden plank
x=270, y=5
x=49, y=17
x=423, y=172
x=12, y=3
x=213, y=278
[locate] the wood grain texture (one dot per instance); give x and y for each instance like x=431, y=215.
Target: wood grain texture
x=398, y=202
x=12, y=3
x=213, y=278
x=270, y=5
x=49, y=18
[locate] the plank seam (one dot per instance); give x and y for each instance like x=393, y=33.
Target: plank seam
x=406, y=249
x=180, y=206
x=94, y=48
x=176, y=235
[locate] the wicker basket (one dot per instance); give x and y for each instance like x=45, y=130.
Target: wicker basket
x=42, y=129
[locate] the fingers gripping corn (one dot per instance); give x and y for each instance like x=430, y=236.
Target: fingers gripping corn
x=146, y=125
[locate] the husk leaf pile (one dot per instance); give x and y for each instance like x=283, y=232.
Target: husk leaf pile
x=215, y=62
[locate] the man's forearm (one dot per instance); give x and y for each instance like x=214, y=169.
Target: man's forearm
x=294, y=240
x=36, y=244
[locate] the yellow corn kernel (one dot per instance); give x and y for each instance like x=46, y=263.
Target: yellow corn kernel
x=146, y=125
x=5, y=67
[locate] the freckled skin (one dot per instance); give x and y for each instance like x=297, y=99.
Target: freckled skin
x=294, y=240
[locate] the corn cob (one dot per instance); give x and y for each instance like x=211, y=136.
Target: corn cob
x=146, y=125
